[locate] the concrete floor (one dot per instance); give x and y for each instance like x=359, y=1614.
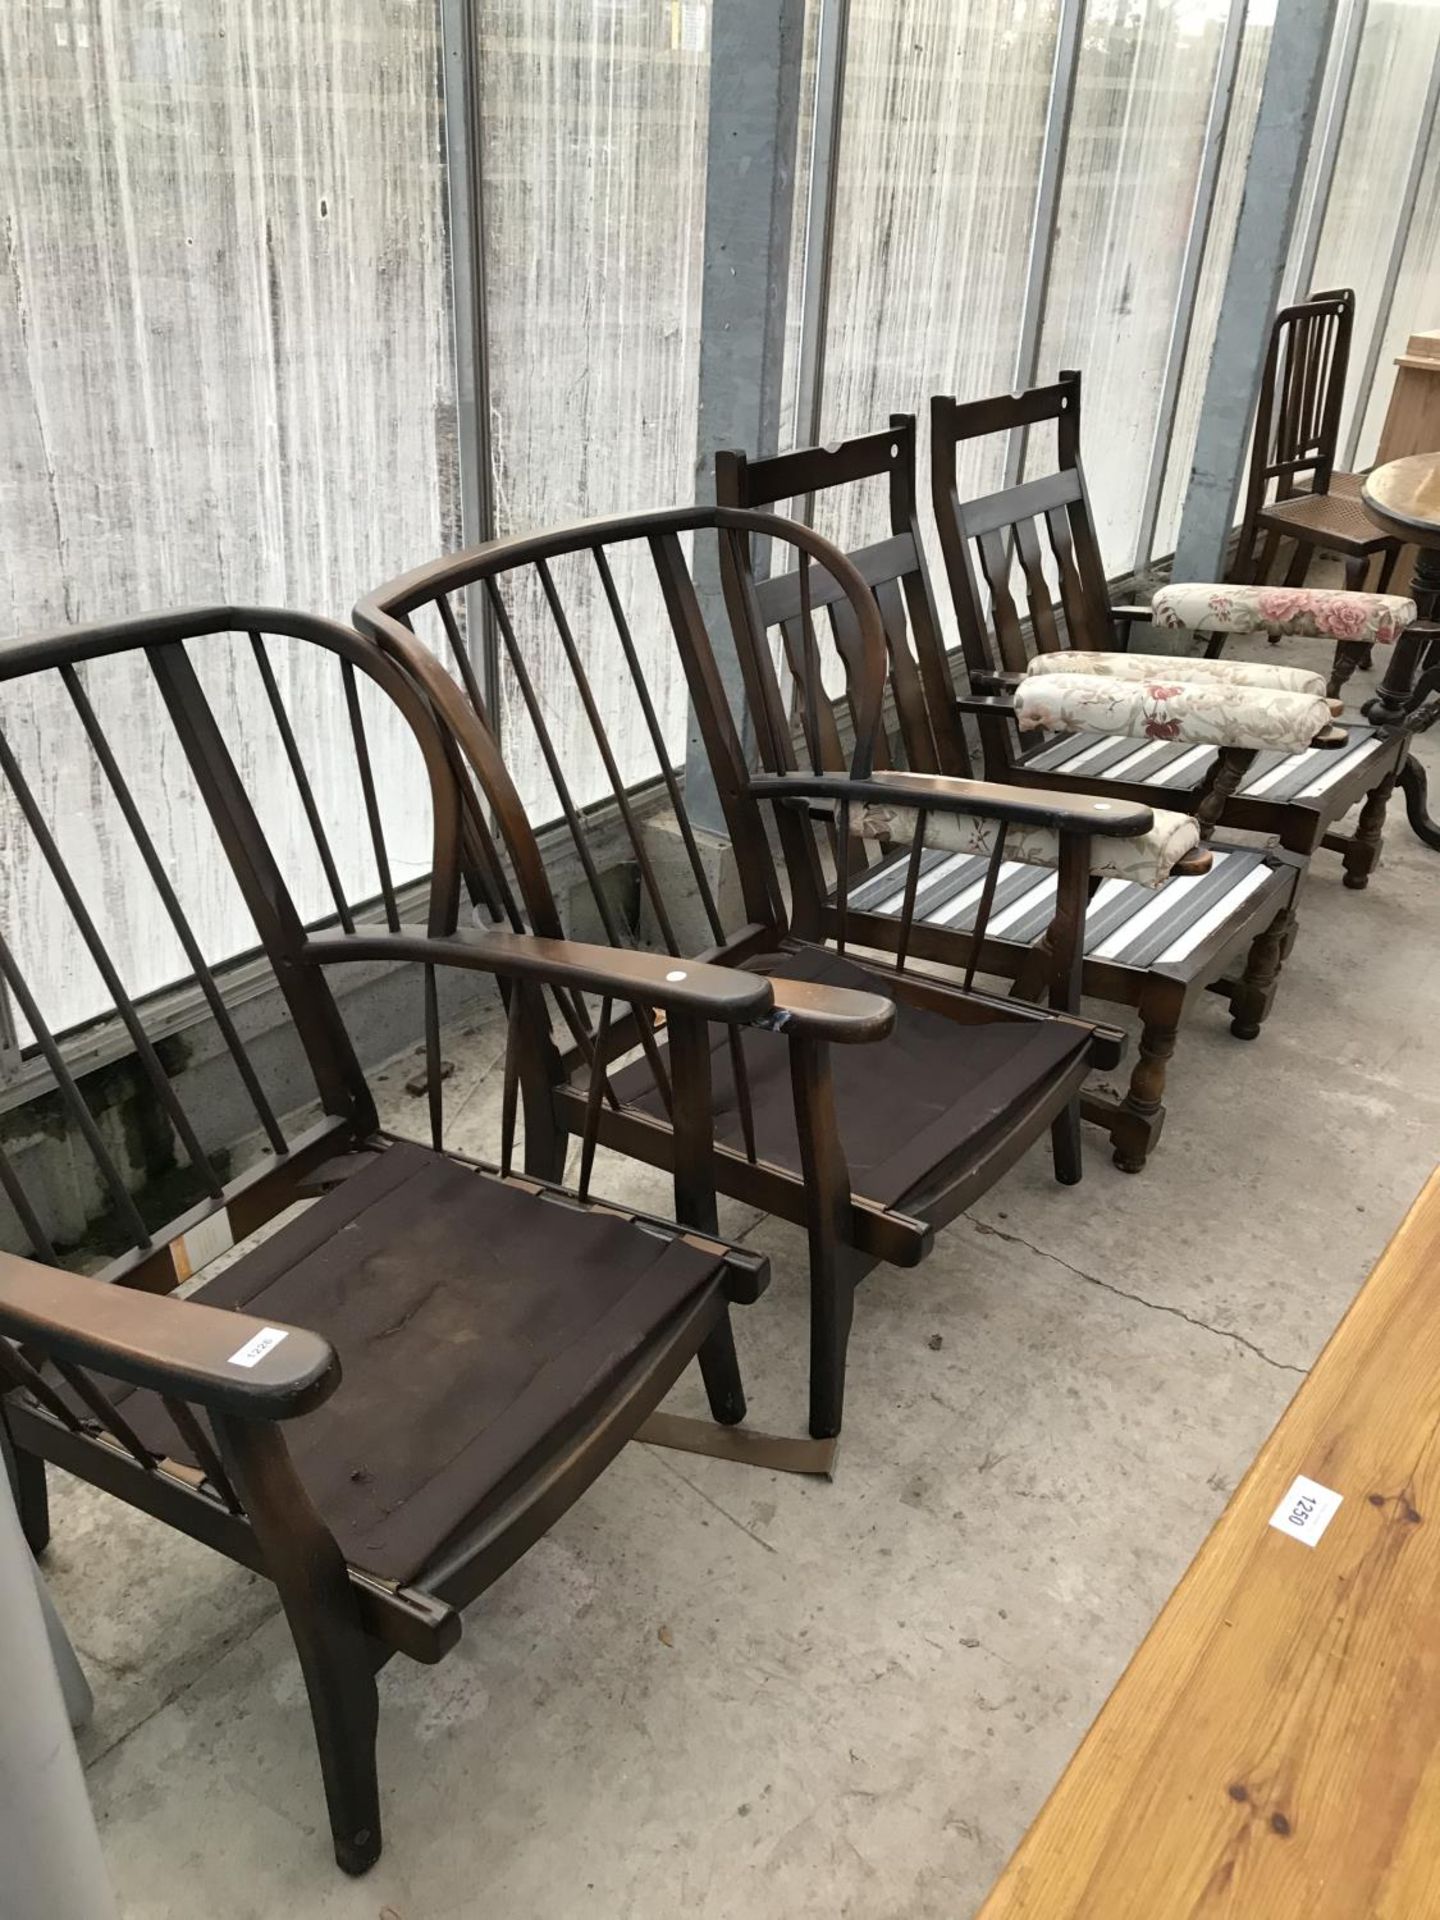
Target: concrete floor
x=716, y=1692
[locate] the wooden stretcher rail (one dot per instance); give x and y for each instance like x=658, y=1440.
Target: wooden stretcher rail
x=1273, y=1749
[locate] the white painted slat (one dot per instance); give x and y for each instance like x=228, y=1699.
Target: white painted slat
x=1188, y=941
x=1165, y=901
x=1341, y=764
x=1167, y=776
x=1281, y=771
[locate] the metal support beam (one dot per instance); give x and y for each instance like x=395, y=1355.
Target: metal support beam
x=1221, y=95
x=1405, y=215
x=1042, y=224
x=756, y=57
x=1289, y=102
x=1334, y=105
x=466, y=208
x=833, y=45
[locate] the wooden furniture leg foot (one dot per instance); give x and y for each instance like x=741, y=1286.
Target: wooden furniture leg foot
x=32, y=1500
x=1362, y=852
x=1253, y=993
x=1065, y=1145
x=832, y=1309
x=1141, y=1114
x=720, y=1370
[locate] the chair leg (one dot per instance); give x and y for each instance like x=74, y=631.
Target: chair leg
x=32, y=1500
x=1349, y=654
x=832, y=1310
x=1362, y=850
x=1254, y=992
x=1299, y=565
x=1141, y=1114
x=345, y=1711
x=1065, y=1146
x=720, y=1370
x=337, y=1656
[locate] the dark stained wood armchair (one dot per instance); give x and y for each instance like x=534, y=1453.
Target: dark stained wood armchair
x=1168, y=918
x=1006, y=619
x=930, y=1113
x=383, y=1401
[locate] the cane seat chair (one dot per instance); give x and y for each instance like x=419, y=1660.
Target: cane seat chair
x=423, y=1360
x=1167, y=919
x=1294, y=492
x=1296, y=796
x=604, y=620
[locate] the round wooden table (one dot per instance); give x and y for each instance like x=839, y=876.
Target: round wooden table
x=1403, y=499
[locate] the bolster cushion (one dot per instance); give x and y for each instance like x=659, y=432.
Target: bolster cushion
x=1317, y=613
x=1191, y=711
x=1162, y=666
x=1147, y=857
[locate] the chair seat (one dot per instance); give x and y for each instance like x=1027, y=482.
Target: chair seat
x=935, y=1089
x=476, y=1325
x=1172, y=765
x=1128, y=923
x=1320, y=517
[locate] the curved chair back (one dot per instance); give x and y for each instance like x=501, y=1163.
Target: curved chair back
x=595, y=640
x=155, y=862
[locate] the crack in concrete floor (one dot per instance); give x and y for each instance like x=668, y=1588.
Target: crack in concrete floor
x=1124, y=1293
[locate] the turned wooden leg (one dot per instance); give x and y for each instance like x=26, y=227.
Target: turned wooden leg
x=1349, y=654
x=1065, y=1145
x=720, y=1370
x=1231, y=766
x=1253, y=993
x=1141, y=1114
x=1362, y=850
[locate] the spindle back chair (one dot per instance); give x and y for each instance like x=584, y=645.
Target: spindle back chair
x=928, y=1117
x=501, y=1338
x=1046, y=522
x=1224, y=919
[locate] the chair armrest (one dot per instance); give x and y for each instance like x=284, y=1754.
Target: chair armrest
x=1127, y=613
x=831, y=1013
x=727, y=994
x=1310, y=613
x=943, y=793
x=624, y=973
x=177, y=1347
x=992, y=682
x=985, y=702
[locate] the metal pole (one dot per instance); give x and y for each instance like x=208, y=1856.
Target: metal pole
x=1042, y=225
x=1289, y=100
x=756, y=56
x=53, y=1869
x=466, y=204
x=1404, y=219
x=1222, y=95
x=834, y=35
x=1331, y=117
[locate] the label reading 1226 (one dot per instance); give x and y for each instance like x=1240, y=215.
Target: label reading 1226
x=1306, y=1511
x=255, y=1349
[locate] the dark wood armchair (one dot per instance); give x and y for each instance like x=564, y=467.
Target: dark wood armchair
x=1007, y=616
x=929, y=1113
x=422, y=1360
x=1167, y=918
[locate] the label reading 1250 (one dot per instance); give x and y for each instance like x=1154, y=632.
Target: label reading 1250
x=1306, y=1511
